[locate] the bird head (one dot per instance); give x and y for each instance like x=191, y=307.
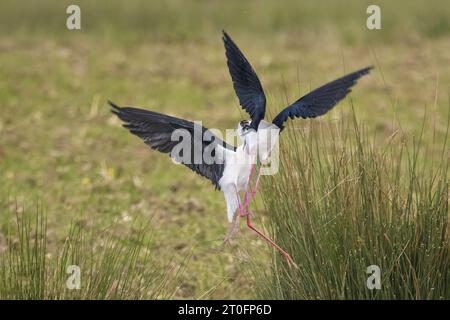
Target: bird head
x=244, y=128
x=248, y=136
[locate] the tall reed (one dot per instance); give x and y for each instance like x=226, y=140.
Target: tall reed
x=342, y=202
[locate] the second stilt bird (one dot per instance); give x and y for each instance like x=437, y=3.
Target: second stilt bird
x=231, y=168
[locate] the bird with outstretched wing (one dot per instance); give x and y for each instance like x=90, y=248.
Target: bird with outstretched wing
x=231, y=168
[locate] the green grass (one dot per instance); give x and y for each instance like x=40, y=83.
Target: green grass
x=342, y=202
x=111, y=267
x=60, y=144
x=181, y=20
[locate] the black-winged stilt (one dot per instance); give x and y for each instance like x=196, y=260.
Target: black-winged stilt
x=231, y=168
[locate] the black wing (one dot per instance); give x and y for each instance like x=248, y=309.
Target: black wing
x=320, y=100
x=156, y=130
x=245, y=82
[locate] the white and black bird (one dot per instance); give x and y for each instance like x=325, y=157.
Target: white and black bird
x=232, y=167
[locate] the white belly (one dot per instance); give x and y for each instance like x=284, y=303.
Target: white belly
x=237, y=170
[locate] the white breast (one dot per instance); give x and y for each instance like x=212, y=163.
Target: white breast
x=238, y=163
x=237, y=169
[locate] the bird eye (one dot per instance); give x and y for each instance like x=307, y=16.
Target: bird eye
x=245, y=125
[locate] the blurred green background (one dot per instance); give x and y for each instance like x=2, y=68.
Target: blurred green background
x=60, y=144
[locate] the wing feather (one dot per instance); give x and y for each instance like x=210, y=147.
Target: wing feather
x=156, y=130
x=320, y=100
x=245, y=82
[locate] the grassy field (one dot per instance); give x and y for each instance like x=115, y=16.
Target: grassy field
x=60, y=146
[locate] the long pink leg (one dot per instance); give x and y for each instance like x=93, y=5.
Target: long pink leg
x=247, y=213
x=241, y=209
x=255, y=188
x=232, y=230
x=246, y=201
x=284, y=253
x=253, y=192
